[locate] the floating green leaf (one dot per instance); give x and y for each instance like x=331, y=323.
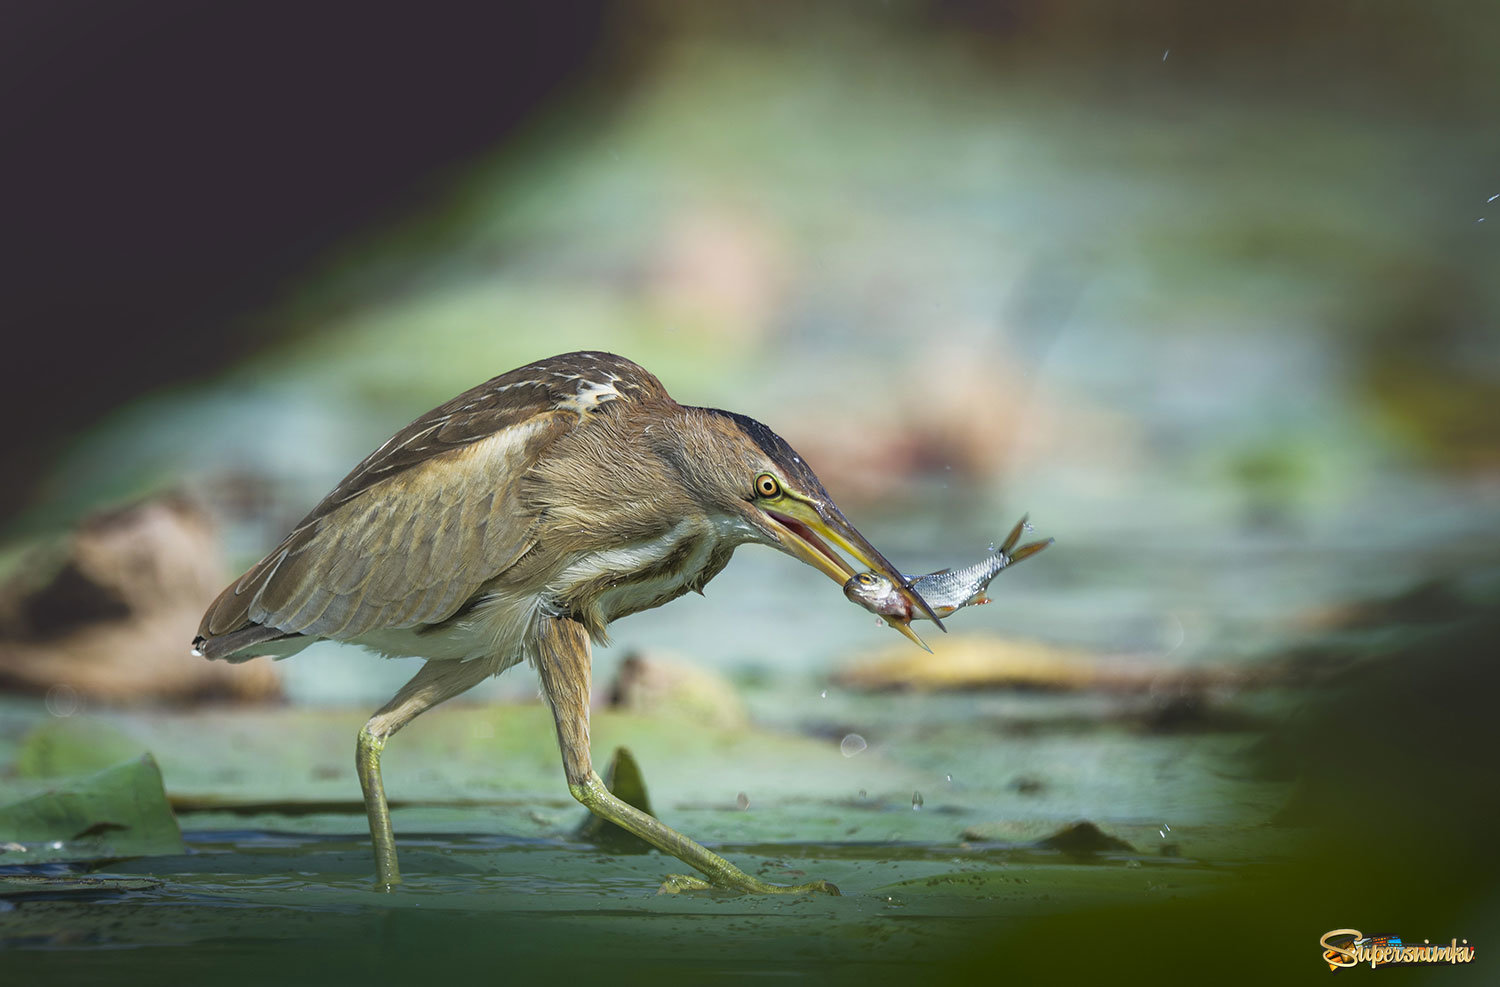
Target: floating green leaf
x=119, y=812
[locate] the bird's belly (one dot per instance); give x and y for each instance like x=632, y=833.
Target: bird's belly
x=461, y=641
x=495, y=630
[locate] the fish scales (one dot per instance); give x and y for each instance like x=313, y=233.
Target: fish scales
x=946, y=590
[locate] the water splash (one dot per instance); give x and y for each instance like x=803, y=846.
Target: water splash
x=742, y=801
x=852, y=744
x=63, y=700
x=916, y=801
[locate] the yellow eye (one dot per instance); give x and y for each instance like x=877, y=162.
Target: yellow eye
x=866, y=578
x=767, y=486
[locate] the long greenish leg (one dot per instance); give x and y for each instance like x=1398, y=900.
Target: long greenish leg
x=593, y=793
x=435, y=682
x=563, y=662
x=367, y=764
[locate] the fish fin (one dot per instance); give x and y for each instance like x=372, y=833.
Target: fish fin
x=1029, y=549
x=1014, y=536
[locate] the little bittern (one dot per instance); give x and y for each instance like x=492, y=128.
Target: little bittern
x=515, y=522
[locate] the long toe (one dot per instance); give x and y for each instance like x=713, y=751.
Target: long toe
x=677, y=883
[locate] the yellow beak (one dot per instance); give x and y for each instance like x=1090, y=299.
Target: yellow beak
x=800, y=528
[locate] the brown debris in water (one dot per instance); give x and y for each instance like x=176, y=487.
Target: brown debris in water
x=108, y=613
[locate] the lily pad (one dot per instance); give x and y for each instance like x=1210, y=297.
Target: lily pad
x=624, y=779
x=119, y=812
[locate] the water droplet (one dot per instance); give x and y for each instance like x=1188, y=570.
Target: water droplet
x=992, y=546
x=1027, y=526
x=1166, y=827
x=879, y=622
x=1161, y=834
x=950, y=779
x=1165, y=54
x=862, y=794
x=824, y=694
x=56, y=845
x=1479, y=220
x=852, y=744
x=916, y=801
x=62, y=700
x=742, y=801
x=1493, y=197
x=196, y=653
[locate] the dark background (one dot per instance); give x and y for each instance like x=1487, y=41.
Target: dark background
x=168, y=166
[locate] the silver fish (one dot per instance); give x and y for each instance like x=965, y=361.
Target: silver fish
x=946, y=590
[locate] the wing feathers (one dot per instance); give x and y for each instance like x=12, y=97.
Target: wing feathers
x=395, y=546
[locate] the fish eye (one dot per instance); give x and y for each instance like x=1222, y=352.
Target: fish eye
x=866, y=579
x=767, y=485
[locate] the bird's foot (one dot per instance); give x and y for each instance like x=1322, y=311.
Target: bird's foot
x=677, y=883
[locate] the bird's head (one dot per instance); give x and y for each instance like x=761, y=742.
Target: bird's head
x=744, y=472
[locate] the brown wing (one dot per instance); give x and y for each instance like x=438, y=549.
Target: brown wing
x=395, y=546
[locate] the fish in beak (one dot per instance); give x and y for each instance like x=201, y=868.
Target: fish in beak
x=804, y=528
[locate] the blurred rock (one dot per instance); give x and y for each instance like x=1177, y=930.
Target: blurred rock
x=657, y=685
x=108, y=612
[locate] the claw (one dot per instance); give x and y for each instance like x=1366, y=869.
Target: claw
x=678, y=883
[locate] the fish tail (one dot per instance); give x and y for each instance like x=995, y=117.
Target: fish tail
x=1014, y=536
x=1029, y=549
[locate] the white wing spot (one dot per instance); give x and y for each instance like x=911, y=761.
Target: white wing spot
x=590, y=396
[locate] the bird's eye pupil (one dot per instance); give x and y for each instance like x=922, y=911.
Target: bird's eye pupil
x=767, y=485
